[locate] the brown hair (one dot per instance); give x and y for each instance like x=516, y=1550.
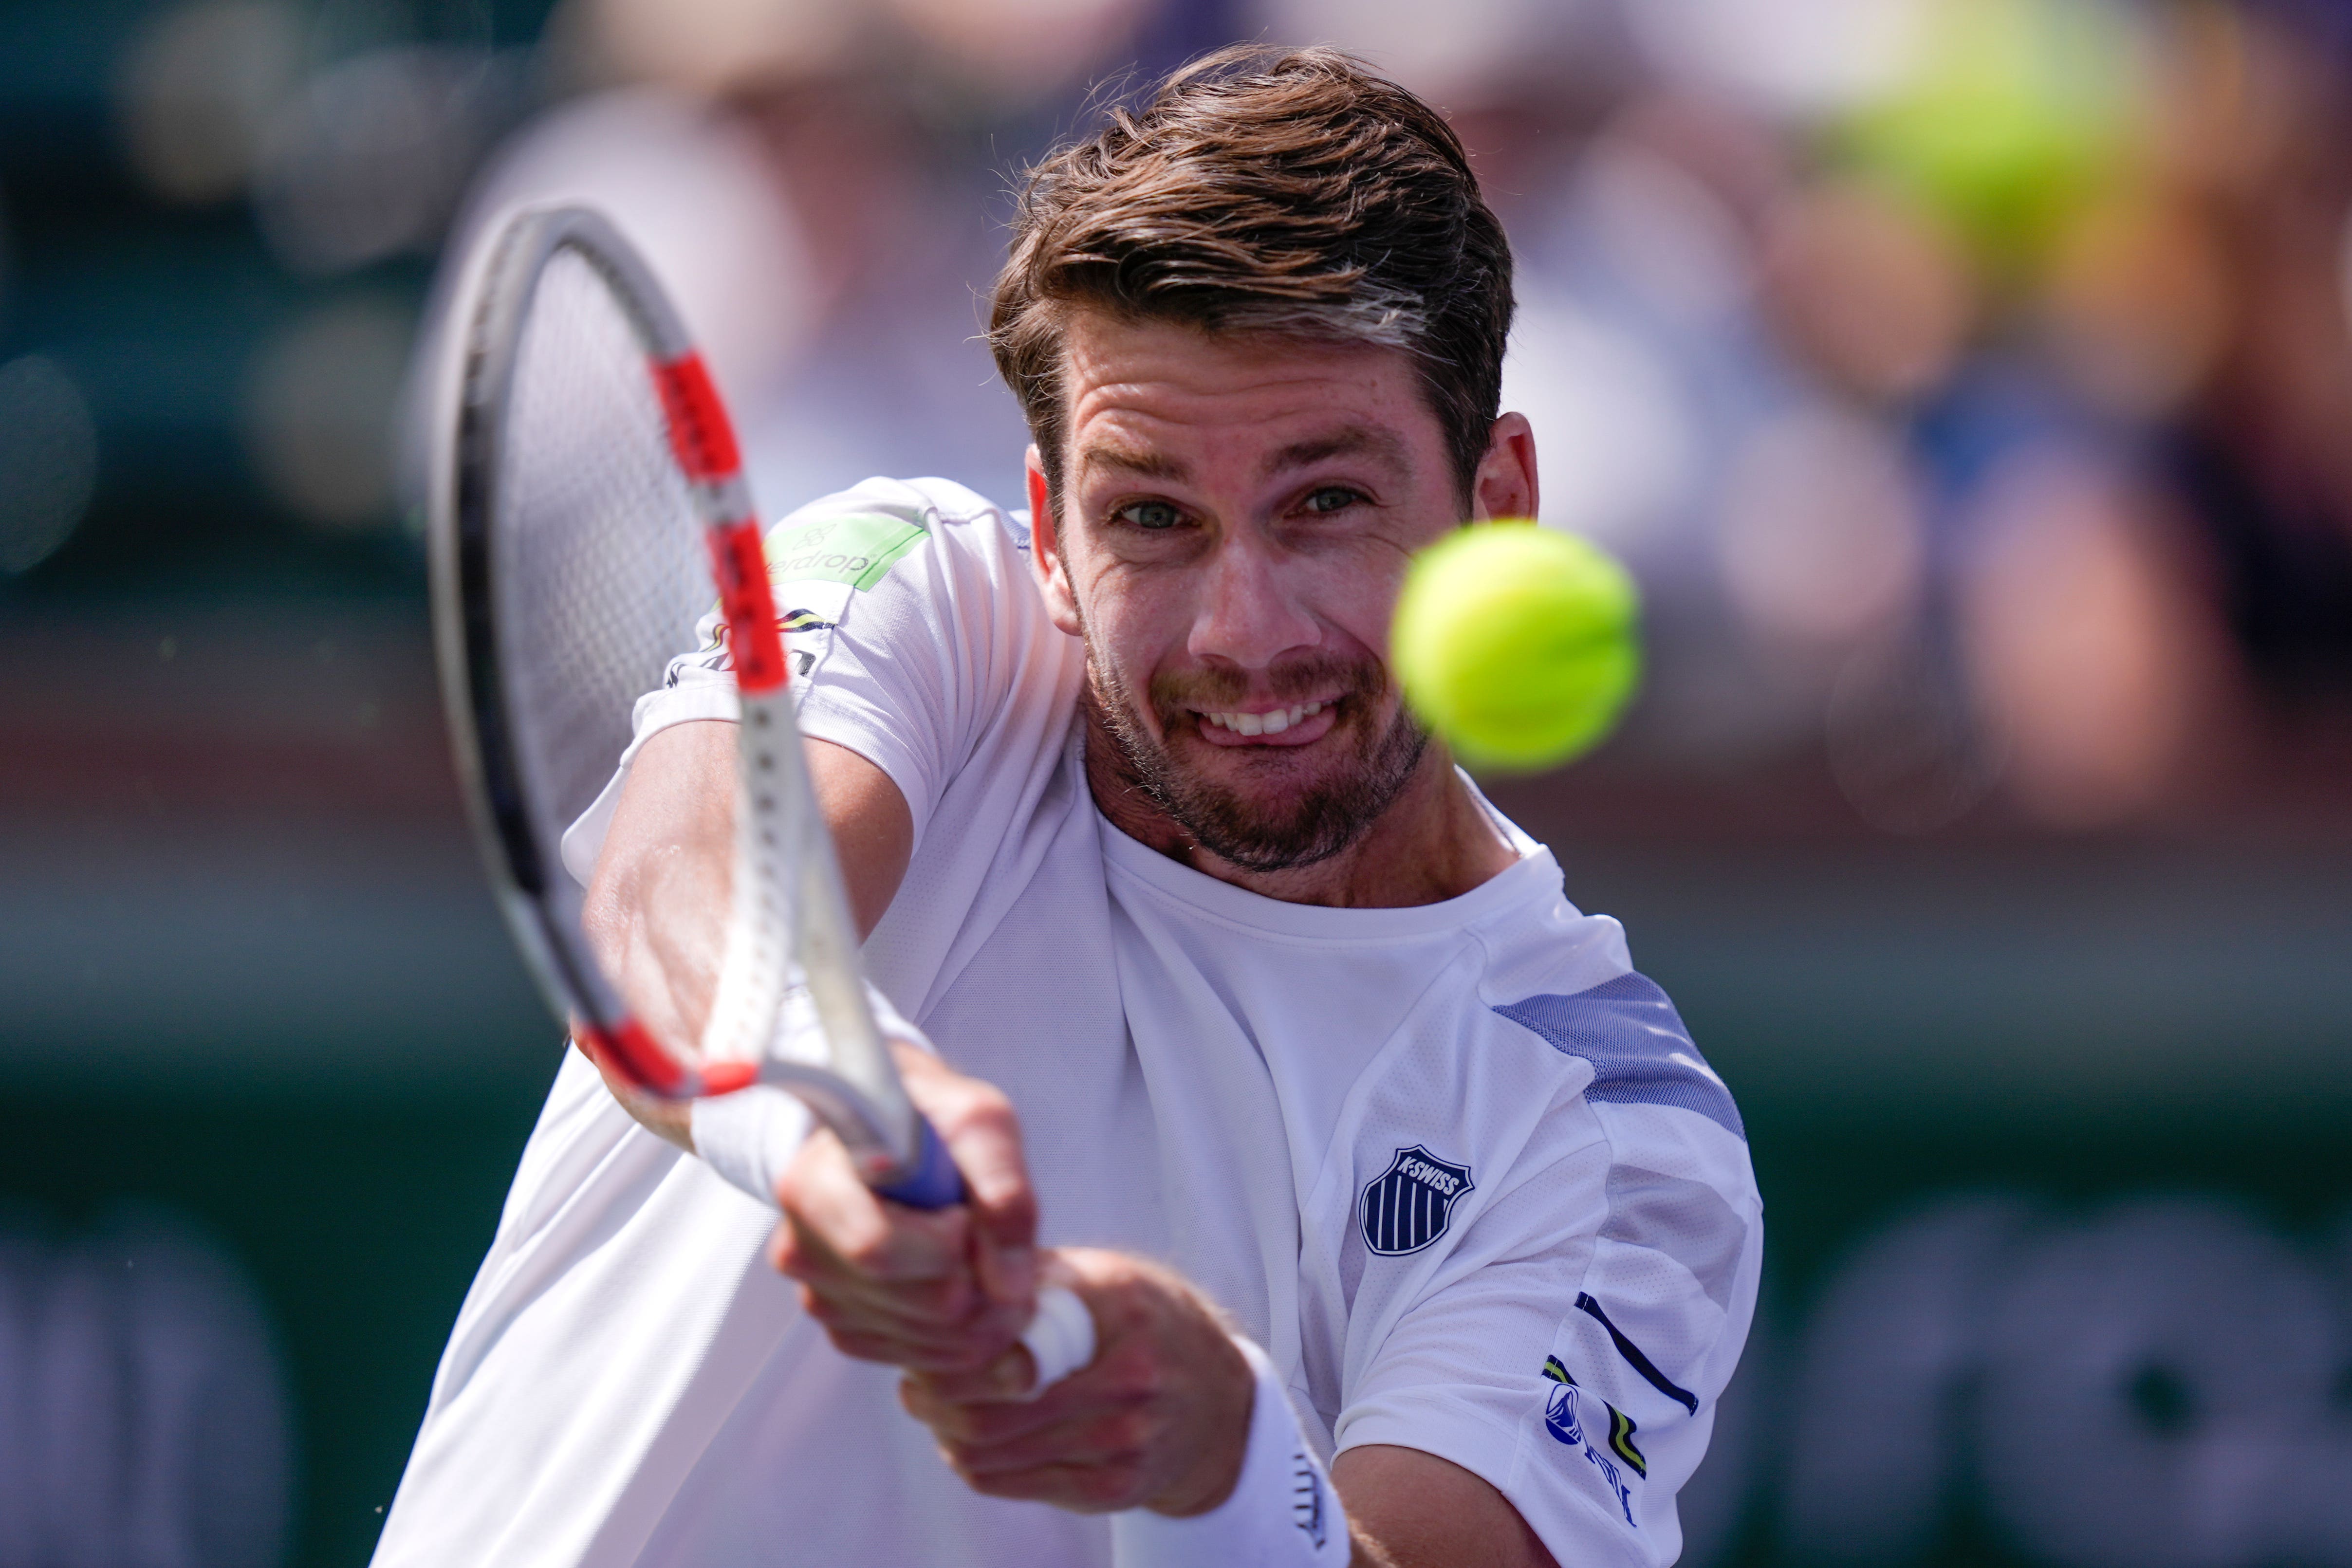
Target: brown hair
x=1290, y=191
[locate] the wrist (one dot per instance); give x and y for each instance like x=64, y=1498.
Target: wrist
x=748, y=1137
x=1278, y=1510
x=1208, y=1483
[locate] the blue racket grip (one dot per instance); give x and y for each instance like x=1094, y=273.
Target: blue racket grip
x=935, y=1182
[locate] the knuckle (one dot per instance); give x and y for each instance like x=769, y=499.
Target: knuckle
x=1135, y=1376
x=978, y=1107
x=865, y=1247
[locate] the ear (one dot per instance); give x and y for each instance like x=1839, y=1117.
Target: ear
x=1046, y=557
x=1505, y=484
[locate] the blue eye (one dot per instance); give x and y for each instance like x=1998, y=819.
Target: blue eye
x=1153, y=515
x=1331, y=498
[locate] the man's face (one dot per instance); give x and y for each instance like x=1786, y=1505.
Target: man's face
x=1238, y=515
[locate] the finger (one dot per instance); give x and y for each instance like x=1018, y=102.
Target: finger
x=928, y=1358
x=960, y=1348
x=983, y=1136
x=838, y=1226
x=956, y=1421
x=1081, y=1488
x=949, y=1304
x=1009, y=1377
x=1095, y=1437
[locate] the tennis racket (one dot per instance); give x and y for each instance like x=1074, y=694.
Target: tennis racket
x=588, y=498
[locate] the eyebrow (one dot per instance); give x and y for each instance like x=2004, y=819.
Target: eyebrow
x=1142, y=462
x=1347, y=442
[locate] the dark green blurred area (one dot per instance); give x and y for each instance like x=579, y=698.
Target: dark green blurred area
x=248, y=967
x=361, y=1228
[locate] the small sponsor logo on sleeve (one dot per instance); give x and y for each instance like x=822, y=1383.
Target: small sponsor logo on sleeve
x=1621, y=1428
x=1559, y=1414
x=1566, y=1409
x=858, y=549
x=1616, y=1483
x=1408, y=1205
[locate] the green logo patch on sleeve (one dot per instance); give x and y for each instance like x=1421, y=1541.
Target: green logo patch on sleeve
x=859, y=549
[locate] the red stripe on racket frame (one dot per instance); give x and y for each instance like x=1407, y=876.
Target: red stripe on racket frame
x=699, y=429
x=726, y=1077
x=748, y=604
x=629, y=1050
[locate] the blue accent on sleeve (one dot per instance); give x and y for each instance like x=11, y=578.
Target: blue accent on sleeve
x=1631, y=1033
x=935, y=1182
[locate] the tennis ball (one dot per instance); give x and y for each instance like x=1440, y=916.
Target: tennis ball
x=2016, y=112
x=1517, y=645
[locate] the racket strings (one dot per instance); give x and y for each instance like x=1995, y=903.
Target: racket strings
x=600, y=567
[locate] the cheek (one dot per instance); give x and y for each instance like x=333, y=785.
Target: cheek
x=1135, y=628
x=1355, y=597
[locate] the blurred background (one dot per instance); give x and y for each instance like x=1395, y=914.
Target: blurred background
x=1967, y=382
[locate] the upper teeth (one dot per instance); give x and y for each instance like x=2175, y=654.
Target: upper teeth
x=1272, y=723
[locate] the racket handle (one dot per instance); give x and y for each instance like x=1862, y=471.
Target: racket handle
x=934, y=1182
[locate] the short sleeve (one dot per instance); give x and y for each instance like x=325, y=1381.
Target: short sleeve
x=1569, y=1347
x=906, y=609
x=910, y=617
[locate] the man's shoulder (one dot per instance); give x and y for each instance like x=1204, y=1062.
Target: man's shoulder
x=1567, y=979
x=949, y=543
x=924, y=506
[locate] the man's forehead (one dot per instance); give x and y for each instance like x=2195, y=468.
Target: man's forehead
x=1102, y=351
x=1141, y=393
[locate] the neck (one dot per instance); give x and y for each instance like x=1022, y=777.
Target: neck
x=1433, y=843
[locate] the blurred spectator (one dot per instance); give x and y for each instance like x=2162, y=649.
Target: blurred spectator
x=1964, y=379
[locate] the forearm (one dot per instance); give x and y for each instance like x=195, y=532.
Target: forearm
x=1407, y=1509
x=657, y=905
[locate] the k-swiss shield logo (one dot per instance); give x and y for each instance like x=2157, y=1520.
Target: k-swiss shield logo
x=1406, y=1207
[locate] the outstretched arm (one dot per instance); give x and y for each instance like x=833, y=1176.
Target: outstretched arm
x=657, y=909
x=1161, y=1419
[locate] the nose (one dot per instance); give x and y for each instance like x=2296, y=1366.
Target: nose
x=1249, y=612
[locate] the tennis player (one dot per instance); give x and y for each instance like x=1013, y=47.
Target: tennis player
x=1413, y=1228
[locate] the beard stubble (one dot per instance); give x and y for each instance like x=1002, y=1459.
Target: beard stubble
x=1292, y=830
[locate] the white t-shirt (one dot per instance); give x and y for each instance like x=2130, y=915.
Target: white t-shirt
x=1457, y=1168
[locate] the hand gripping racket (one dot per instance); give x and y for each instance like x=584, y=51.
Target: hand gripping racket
x=587, y=492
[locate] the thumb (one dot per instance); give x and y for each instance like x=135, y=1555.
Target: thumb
x=983, y=1136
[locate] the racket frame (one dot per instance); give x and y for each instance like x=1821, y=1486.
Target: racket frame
x=779, y=827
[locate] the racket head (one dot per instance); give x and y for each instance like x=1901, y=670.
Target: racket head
x=589, y=513
x=567, y=572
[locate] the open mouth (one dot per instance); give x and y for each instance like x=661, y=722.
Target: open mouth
x=1272, y=723
x=1299, y=723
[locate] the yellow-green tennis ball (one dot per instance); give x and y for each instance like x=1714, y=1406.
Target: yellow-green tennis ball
x=1516, y=646
x=2016, y=112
